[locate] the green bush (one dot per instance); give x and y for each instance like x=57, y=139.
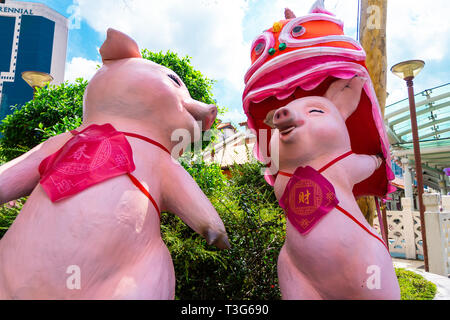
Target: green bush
x=198, y=85
x=8, y=213
x=54, y=110
x=255, y=226
x=414, y=286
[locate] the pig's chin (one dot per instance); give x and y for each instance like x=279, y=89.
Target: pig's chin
x=195, y=130
x=205, y=123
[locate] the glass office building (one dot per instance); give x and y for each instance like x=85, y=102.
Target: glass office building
x=33, y=37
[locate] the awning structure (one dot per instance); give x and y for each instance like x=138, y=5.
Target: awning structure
x=433, y=120
x=434, y=160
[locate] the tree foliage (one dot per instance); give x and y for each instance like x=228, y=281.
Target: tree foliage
x=57, y=109
x=256, y=229
x=198, y=85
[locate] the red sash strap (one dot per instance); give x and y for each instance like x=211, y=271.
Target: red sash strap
x=381, y=221
x=345, y=155
x=325, y=167
x=361, y=225
x=133, y=179
x=134, y=135
x=282, y=173
x=144, y=191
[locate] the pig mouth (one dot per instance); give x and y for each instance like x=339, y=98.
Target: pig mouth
x=287, y=134
x=287, y=131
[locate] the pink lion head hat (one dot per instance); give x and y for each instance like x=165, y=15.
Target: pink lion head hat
x=302, y=56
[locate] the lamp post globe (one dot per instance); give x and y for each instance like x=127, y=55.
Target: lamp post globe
x=36, y=79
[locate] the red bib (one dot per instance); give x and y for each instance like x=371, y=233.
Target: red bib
x=308, y=197
x=96, y=154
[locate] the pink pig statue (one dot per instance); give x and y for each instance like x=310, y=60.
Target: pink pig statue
x=331, y=252
x=309, y=82
x=90, y=228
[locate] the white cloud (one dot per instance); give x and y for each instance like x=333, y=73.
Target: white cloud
x=208, y=31
x=234, y=116
x=80, y=67
x=418, y=29
x=217, y=34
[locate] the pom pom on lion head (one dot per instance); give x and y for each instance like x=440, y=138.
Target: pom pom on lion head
x=302, y=56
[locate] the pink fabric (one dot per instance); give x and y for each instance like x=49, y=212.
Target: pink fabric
x=308, y=197
x=96, y=154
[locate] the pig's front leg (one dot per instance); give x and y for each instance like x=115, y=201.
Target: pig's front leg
x=183, y=197
x=362, y=166
x=20, y=176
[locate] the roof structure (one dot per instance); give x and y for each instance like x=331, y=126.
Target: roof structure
x=236, y=149
x=433, y=120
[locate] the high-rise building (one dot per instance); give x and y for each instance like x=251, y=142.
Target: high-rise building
x=33, y=37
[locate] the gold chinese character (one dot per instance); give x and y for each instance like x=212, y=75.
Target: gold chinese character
x=304, y=197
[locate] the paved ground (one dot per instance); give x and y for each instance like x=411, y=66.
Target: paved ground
x=442, y=283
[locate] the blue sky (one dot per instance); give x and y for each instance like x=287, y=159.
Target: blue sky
x=217, y=34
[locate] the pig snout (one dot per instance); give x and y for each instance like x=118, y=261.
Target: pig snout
x=206, y=113
x=284, y=118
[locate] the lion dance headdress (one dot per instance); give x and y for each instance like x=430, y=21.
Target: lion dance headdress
x=302, y=56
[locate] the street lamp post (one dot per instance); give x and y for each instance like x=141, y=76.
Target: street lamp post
x=407, y=71
x=36, y=79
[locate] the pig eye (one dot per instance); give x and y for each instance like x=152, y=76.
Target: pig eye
x=259, y=48
x=175, y=79
x=297, y=31
x=316, y=110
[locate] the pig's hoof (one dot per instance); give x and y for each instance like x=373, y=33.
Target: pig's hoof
x=218, y=239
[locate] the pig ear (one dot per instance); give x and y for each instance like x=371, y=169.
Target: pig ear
x=269, y=118
x=118, y=46
x=289, y=14
x=346, y=94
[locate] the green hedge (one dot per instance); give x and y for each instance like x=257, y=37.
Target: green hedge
x=8, y=213
x=55, y=109
x=255, y=226
x=414, y=286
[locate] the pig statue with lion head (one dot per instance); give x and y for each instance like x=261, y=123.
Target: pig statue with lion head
x=90, y=228
x=309, y=86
